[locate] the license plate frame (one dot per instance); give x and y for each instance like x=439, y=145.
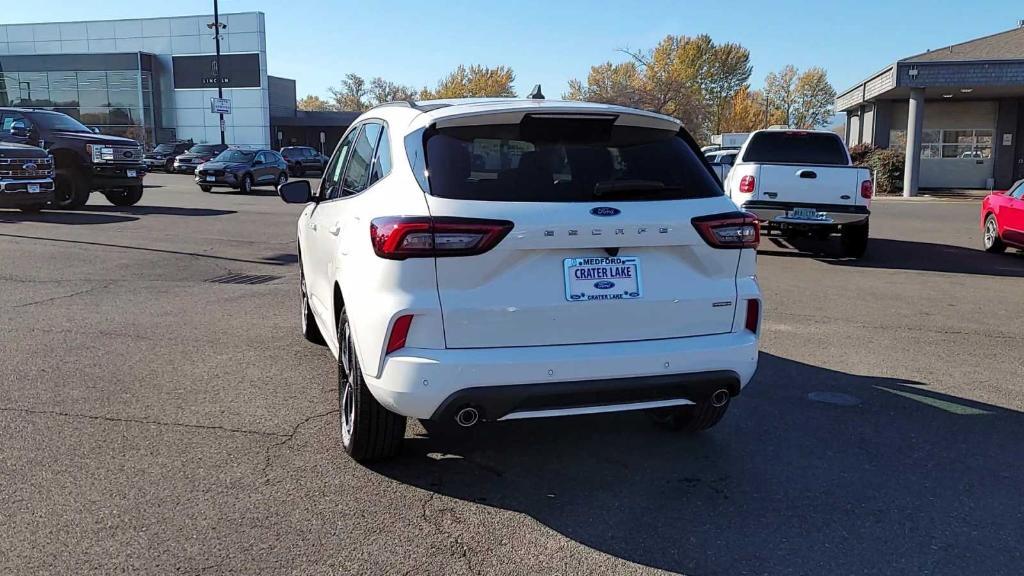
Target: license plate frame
x=211, y=178
x=34, y=189
x=131, y=173
x=809, y=214
x=602, y=278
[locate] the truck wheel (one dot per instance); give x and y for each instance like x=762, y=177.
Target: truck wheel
x=368, y=430
x=854, y=239
x=70, y=192
x=32, y=208
x=692, y=418
x=993, y=243
x=128, y=197
x=310, y=331
x=205, y=188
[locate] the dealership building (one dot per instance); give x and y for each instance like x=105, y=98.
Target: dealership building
x=153, y=79
x=958, y=111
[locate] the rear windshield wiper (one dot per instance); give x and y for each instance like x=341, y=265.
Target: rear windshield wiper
x=634, y=189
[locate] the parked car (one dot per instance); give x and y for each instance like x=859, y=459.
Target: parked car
x=26, y=177
x=242, y=170
x=803, y=182
x=188, y=162
x=302, y=159
x=722, y=161
x=513, y=289
x=162, y=157
x=1002, y=219
x=84, y=161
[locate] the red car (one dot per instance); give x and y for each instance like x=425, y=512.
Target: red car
x=1002, y=219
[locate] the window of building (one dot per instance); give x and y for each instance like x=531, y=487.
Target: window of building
x=976, y=144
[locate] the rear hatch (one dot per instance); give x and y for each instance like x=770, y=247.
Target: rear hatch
x=802, y=167
x=602, y=249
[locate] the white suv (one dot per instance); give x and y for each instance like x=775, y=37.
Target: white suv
x=484, y=260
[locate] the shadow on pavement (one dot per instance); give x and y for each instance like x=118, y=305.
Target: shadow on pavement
x=903, y=255
x=69, y=218
x=879, y=476
x=143, y=210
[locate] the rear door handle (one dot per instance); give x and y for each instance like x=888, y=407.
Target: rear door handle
x=335, y=230
x=312, y=226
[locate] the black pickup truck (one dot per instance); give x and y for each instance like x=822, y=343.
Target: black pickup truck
x=85, y=161
x=26, y=177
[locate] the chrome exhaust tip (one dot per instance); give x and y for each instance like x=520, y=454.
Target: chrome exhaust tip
x=720, y=398
x=467, y=417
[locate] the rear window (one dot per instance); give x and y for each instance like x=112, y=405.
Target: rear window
x=796, y=148
x=564, y=160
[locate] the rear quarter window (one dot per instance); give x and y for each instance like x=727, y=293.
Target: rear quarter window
x=796, y=147
x=564, y=160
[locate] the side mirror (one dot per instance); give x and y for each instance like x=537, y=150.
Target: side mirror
x=19, y=129
x=296, y=192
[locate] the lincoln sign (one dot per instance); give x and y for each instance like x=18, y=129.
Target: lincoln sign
x=236, y=71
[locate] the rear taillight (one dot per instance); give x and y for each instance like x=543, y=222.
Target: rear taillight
x=399, y=333
x=753, y=315
x=867, y=188
x=747, y=184
x=729, y=230
x=400, y=237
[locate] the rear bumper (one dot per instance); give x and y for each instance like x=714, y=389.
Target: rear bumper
x=511, y=382
x=777, y=212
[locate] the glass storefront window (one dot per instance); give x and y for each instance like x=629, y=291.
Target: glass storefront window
x=975, y=144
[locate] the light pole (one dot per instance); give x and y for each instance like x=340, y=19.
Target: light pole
x=216, y=26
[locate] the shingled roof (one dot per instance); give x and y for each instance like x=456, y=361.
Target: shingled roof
x=1007, y=45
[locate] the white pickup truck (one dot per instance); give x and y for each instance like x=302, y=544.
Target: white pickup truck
x=803, y=182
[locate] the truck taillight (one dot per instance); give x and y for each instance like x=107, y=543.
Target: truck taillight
x=867, y=188
x=747, y=184
x=401, y=237
x=729, y=230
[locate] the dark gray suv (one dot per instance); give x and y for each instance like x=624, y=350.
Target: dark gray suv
x=302, y=159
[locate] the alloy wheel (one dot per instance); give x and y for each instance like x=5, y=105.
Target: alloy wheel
x=347, y=402
x=990, y=232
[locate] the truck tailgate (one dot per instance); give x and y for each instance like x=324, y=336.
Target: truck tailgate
x=809, y=184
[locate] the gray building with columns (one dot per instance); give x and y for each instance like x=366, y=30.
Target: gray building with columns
x=958, y=111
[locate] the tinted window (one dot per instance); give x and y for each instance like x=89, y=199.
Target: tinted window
x=59, y=122
x=382, y=161
x=205, y=149
x=330, y=183
x=564, y=160
x=357, y=172
x=796, y=148
x=290, y=153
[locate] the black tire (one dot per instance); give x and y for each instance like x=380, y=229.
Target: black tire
x=990, y=237
x=128, y=197
x=691, y=418
x=169, y=166
x=70, y=191
x=245, y=187
x=854, y=239
x=205, y=188
x=281, y=179
x=32, y=208
x=368, y=430
x=310, y=331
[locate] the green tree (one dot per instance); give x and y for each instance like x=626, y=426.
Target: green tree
x=473, y=82
x=352, y=94
x=780, y=90
x=313, y=103
x=800, y=100
x=382, y=91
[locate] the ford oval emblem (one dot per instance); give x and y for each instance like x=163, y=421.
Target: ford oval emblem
x=605, y=211
x=604, y=284
x=30, y=167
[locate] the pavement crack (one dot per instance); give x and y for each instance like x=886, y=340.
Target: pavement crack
x=114, y=419
x=463, y=549
x=288, y=438
x=78, y=293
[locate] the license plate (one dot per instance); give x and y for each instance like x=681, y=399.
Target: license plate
x=210, y=179
x=131, y=173
x=33, y=188
x=805, y=214
x=602, y=278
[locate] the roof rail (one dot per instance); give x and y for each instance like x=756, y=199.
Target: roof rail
x=415, y=105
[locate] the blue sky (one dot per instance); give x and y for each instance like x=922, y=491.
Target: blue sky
x=547, y=42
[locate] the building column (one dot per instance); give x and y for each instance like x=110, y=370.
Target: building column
x=915, y=121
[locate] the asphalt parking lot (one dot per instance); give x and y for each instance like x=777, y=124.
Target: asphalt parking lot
x=154, y=422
